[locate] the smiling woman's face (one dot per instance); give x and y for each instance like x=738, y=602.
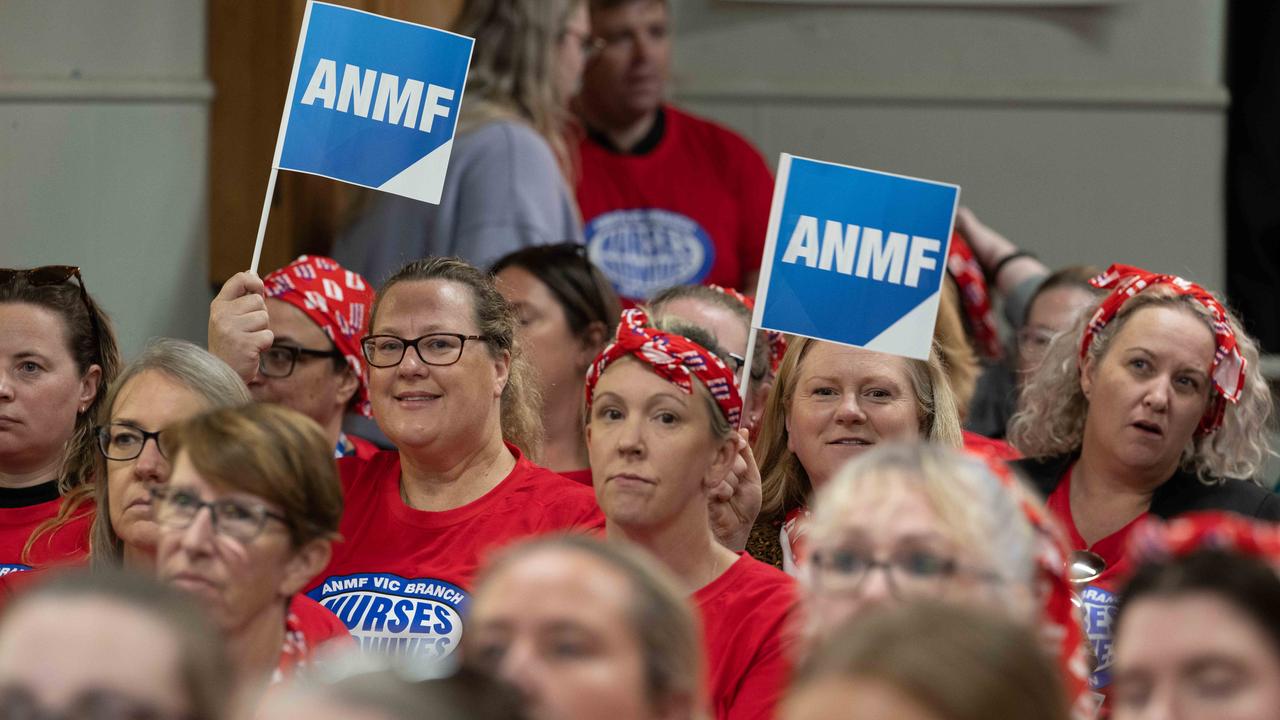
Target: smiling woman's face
x=847, y=400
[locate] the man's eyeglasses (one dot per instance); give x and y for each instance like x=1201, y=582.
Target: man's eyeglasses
x=120, y=441
x=910, y=574
x=56, y=275
x=242, y=522
x=384, y=351
x=278, y=361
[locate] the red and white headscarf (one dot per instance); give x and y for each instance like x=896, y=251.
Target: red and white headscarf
x=1061, y=620
x=975, y=298
x=674, y=358
x=1156, y=540
x=1228, y=373
x=777, y=341
x=336, y=299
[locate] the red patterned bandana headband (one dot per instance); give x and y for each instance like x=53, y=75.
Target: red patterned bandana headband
x=777, y=341
x=1227, y=375
x=1157, y=540
x=336, y=299
x=674, y=358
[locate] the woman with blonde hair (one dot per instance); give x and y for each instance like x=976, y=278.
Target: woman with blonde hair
x=507, y=184
x=919, y=521
x=1152, y=405
x=830, y=403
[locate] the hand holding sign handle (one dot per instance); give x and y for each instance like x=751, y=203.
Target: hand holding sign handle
x=238, y=324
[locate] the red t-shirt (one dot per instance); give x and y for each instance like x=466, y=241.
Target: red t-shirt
x=990, y=447
x=400, y=577
x=745, y=629
x=1098, y=598
x=582, y=477
x=693, y=210
x=68, y=544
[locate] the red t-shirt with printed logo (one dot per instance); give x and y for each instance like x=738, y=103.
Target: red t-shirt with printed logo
x=400, y=578
x=25, y=509
x=745, y=614
x=694, y=209
x=1098, y=598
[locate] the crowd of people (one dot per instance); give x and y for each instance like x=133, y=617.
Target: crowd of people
x=523, y=454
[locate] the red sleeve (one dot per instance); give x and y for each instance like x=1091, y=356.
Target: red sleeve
x=318, y=625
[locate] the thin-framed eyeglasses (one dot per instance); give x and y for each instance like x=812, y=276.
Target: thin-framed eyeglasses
x=122, y=441
x=242, y=522
x=56, y=275
x=439, y=349
x=909, y=574
x=19, y=703
x=279, y=361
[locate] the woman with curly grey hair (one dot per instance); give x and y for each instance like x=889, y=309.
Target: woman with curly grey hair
x=1152, y=405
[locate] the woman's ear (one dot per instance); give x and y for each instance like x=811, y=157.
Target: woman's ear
x=726, y=452
x=306, y=563
x=1086, y=375
x=89, y=383
x=591, y=342
x=502, y=372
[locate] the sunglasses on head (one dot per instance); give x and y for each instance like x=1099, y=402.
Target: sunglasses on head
x=47, y=275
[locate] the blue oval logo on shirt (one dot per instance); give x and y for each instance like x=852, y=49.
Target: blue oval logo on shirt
x=649, y=250
x=409, y=618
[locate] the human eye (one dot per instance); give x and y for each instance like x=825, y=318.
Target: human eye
x=878, y=394
x=1139, y=364
x=666, y=417
x=125, y=438
x=846, y=562
x=924, y=564
x=232, y=511
x=1218, y=680
x=183, y=501
x=824, y=391
x=1189, y=382
x=1131, y=692
x=30, y=367
x=607, y=412
x=488, y=652
x=568, y=645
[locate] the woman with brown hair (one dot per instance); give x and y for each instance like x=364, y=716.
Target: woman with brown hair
x=831, y=403
x=57, y=354
x=266, y=476
x=928, y=661
x=507, y=169
x=451, y=390
x=622, y=634
x=566, y=311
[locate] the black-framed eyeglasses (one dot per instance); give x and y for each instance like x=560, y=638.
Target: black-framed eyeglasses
x=278, y=361
x=121, y=441
x=56, y=275
x=910, y=574
x=384, y=351
x=242, y=522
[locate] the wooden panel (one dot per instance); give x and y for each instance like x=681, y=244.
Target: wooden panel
x=251, y=48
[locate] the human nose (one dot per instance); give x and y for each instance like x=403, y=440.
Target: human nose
x=631, y=438
x=1156, y=395
x=150, y=463
x=521, y=668
x=412, y=364
x=849, y=411
x=877, y=586
x=6, y=387
x=198, y=536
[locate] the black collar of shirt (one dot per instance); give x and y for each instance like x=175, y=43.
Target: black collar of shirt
x=28, y=496
x=647, y=144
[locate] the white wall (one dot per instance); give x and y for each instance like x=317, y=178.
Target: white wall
x=1092, y=133
x=103, y=144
